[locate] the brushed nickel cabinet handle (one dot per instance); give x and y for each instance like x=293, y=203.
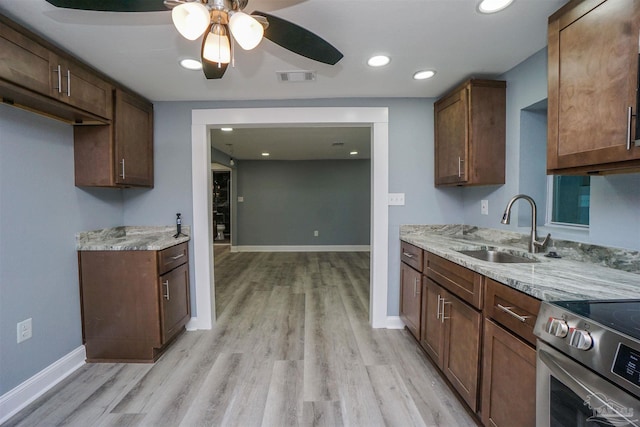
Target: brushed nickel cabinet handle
x=166, y=285
x=459, y=167
x=407, y=254
x=629, y=115
x=443, y=317
x=177, y=256
x=511, y=313
x=438, y=308
x=59, y=71
x=68, y=83
x=122, y=162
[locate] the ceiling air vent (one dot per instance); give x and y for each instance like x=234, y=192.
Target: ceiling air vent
x=296, y=76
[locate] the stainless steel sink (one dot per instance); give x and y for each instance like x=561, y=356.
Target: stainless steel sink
x=499, y=256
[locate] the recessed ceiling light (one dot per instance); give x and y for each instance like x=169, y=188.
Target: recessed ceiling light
x=226, y=129
x=378, y=61
x=191, y=64
x=493, y=6
x=424, y=74
x=265, y=154
x=353, y=153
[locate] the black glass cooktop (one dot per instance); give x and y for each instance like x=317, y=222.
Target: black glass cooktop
x=620, y=315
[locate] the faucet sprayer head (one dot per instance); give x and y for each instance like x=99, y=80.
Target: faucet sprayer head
x=506, y=217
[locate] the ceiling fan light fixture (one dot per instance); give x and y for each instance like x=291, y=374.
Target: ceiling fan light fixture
x=246, y=30
x=191, y=19
x=493, y=6
x=216, y=46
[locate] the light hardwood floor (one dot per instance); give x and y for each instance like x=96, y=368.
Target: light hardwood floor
x=291, y=347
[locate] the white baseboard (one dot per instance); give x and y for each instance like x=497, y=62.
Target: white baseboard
x=19, y=397
x=394, y=322
x=193, y=325
x=303, y=248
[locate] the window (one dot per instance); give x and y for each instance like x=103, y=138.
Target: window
x=568, y=200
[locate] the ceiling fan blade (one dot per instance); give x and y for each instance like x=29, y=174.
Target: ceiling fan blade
x=112, y=5
x=211, y=70
x=299, y=40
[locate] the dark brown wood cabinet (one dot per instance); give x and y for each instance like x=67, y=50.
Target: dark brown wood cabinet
x=411, y=287
x=37, y=76
x=451, y=329
x=593, y=79
x=470, y=124
x=119, y=154
x=133, y=302
x=509, y=357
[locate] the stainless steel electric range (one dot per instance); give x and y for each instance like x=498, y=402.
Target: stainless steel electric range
x=588, y=363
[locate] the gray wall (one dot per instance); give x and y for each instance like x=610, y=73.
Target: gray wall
x=615, y=200
x=286, y=201
x=40, y=212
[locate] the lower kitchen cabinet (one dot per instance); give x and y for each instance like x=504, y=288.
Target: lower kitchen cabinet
x=410, y=300
x=508, y=379
x=134, y=303
x=451, y=336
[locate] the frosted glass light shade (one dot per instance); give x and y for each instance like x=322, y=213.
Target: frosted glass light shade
x=216, y=46
x=246, y=30
x=191, y=19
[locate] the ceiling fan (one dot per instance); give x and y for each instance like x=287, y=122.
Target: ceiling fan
x=222, y=23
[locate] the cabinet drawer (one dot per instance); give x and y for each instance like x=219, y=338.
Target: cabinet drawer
x=460, y=281
x=511, y=308
x=170, y=258
x=411, y=255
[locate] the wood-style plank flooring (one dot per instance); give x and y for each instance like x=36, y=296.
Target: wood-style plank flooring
x=291, y=347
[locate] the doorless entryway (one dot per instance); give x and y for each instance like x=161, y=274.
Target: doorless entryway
x=202, y=233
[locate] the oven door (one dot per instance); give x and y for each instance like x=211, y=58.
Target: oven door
x=570, y=395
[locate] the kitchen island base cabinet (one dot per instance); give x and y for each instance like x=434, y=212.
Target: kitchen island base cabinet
x=508, y=380
x=132, y=306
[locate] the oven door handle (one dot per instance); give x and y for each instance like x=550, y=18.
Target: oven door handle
x=569, y=375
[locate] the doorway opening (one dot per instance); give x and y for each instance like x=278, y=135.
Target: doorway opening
x=221, y=205
x=202, y=122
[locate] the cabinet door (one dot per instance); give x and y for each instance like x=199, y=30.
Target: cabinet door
x=462, y=348
x=593, y=69
x=432, y=336
x=508, y=379
x=78, y=86
x=175, y=308
x=451, y=137
x=410, y=300
x=23, y=61
x=133, y=140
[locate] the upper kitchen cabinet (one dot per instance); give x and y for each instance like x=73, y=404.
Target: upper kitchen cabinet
x=470, y=134
x=593, y=78
x=120, y=154
x=37, y=76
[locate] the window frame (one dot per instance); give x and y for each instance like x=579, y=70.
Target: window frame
x=549, y=208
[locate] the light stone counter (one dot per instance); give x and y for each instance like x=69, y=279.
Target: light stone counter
x=131, y=238
x=585, y=271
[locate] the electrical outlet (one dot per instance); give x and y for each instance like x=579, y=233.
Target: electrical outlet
x=484, y=207
x=396, y=199
x=316, y=233
x=240, y=199
x=24, y=330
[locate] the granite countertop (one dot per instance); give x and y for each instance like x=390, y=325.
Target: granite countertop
x=131, y=238
x=584, y=272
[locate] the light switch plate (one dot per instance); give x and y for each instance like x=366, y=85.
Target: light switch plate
x=24, y=330
x=484, y=207
x=396, y=199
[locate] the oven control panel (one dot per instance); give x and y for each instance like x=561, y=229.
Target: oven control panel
x=627, y=364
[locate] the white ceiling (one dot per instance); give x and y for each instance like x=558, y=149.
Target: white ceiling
x=141, y=50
